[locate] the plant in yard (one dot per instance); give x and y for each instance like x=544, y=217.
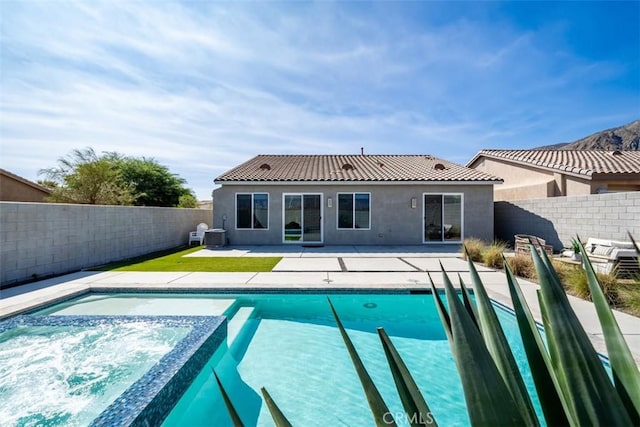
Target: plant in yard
x=563, y=269
x=474, y=248
x=522, y=266
x=577, y=284
x=575, y=245
x=492, y=255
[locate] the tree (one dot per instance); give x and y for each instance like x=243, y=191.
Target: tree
x=153, y=183
x=115, y=179
x=188, y=201
x=83, y=177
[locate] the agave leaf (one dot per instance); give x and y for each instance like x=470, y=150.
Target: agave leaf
x=626, y=376
x=489, y=401
x=278, y=417
x=442, y=311
x=379, y=409
x=235, y=418
x=554, y=407
x=466, y=299
x=593, y=398
x=415, y=406
x=499, y=349
x=562, y=385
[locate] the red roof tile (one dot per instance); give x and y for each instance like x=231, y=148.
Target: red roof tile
x=346, y=168
x=583, y=162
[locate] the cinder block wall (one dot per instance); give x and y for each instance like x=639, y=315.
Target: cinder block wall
x=559, y=219
x=45, y=239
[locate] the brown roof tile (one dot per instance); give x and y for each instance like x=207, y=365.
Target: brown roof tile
x=345, y=168
x=583, y=162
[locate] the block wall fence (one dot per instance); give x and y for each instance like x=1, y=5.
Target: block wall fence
x=559, y=219
x=46, y=239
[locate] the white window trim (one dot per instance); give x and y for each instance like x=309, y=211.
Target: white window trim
x=252, y=207
x=424, y=217
x=353, y=197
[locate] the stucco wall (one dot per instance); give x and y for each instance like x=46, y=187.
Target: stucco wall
x=520, y=181
x=46, y=239
x=559, y=219
x=14, y=190
x=393, y=221
x=578, y=187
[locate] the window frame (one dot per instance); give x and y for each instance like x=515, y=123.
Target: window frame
x=252, y=194
x=424, y=218
x=353, y=210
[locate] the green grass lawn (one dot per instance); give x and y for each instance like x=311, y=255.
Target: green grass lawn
x=174, y=260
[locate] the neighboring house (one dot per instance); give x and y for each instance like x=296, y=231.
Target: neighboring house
x=353, y=199
x=530, y=174
x=17, y=189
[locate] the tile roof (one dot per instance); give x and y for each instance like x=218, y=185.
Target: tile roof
x=347, y=168
x=582, y=162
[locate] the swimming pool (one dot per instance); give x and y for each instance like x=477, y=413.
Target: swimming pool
x=289, y=344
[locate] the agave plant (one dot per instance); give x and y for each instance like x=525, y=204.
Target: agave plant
x=571, y=382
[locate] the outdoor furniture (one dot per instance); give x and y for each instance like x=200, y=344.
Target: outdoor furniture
x=609, y=256
x=523, y=243
x=198, y=235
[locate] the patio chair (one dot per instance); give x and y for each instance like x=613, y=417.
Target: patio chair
x=198, y=235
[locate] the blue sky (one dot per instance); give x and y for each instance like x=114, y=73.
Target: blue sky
x=204, y=86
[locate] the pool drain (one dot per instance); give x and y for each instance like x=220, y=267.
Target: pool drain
x=370, y=305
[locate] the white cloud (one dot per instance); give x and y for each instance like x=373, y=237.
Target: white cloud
x=204, y=86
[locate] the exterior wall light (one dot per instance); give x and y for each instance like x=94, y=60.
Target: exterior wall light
x=329, y=202
x=414, y=203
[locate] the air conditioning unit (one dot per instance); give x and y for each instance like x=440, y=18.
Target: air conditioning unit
x=215, y=238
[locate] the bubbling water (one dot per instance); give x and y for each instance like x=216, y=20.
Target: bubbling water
x=52, y=375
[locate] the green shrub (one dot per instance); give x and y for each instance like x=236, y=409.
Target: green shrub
x=475, y=247
x=492, y=255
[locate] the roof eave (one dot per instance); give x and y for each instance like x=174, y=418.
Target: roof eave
x=566, y=170
x=369, y=182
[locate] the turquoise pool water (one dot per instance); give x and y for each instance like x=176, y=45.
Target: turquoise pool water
x=290, y=345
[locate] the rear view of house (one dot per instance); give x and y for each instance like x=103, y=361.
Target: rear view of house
x=354, y=200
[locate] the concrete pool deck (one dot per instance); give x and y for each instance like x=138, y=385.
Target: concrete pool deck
x=333, y=269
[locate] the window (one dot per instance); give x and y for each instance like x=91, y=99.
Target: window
x=354, y=210
x=443, y=217
x=252, y=211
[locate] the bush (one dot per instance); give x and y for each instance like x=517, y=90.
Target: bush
x=522, y=265
x=629, y=296
x=492, y=255
x=576, y=284
x=563, y=269
x=475, y=247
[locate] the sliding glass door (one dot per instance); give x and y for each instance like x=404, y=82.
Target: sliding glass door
x=302, y=218
x=442, y=220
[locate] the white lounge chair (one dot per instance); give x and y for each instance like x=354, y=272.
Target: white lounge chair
x=198, y=235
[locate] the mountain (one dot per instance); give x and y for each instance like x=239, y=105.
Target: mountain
x=622, y=138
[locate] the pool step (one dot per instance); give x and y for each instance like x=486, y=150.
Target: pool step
x=237, y=322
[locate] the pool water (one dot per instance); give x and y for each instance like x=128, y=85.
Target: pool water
x=67, y=375
x=290, y=345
